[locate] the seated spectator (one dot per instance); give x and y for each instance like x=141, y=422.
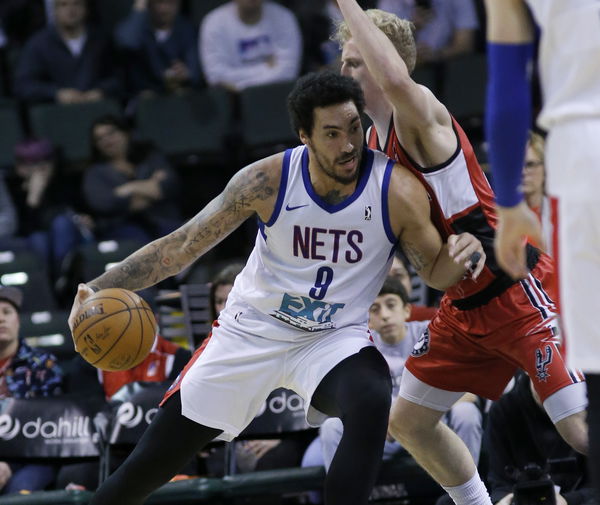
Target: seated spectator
x=534, y=185
x=24, y=373
x=444, y=28
x=519, y=432
x=220, y=287
x=249, y=43
x=46, y=205
x=418, y=311
x=131, y=189
x=160, y=46
x=395, y=338
x=67, y=62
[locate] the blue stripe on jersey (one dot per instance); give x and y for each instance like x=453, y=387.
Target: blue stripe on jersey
x=385, y=210
x=285, y=171
x=366, y=165
x=261, y=228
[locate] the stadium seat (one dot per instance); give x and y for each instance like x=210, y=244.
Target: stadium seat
x=464, y=85
x=195, y=303
x=48, y=330
x=12, y=131
x=25, y=270
x=68, y=126
x=194, y=123
x=110, y=12
x=92, y=260
x=265, y=124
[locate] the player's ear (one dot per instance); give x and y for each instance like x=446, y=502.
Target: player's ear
x=304, y=138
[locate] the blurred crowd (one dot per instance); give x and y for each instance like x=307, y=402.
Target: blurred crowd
x=71, y=52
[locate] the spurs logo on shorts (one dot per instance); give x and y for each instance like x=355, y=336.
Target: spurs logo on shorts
x=541, y=363
x=422, y=346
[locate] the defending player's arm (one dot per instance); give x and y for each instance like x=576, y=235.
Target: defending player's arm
x=508, y=117
x=439, y=264
x=252, y=190
x=417, y=112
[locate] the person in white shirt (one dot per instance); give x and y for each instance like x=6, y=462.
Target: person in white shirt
x=249, y=43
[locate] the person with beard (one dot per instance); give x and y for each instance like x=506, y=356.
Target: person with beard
x=330, y=216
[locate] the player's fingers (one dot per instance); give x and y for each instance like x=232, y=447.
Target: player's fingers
x=477, y=261
x=452, y=239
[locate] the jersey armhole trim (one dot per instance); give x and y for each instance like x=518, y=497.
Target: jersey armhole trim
x=385, y=210
x=285, y=170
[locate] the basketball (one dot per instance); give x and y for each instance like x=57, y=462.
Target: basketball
x=114, y=329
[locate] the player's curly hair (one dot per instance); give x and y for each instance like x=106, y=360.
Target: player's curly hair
x=399, y=31
x=320, y=89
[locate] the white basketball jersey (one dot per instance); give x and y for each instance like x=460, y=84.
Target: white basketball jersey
x=569, y=58
x=317, y=266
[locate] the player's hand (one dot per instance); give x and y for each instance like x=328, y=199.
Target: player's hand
x=260, y=447
x=465, y=249
x=515, y=225
x=83, y=293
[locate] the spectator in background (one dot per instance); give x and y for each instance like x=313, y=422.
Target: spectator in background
x=24, y=373
x=220, y=287
x=395, y=338
x=46, y=205
x=130, y=188
x=249, y=43
x=418, y=311
x=519, y=432
x=67, y=62
x=444, y=28
x=534, y=186
x=160, y=48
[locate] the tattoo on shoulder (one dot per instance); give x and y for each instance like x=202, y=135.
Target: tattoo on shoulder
x=414, y=255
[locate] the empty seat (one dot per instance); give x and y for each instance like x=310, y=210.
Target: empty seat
x=265, y=123
x=48, y=330
x=194, y=123
x=464, y=85
x=12, y=131
x=26, y=271
x=68, y=126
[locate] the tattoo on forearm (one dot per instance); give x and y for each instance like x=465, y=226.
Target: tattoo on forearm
x=171, y=254
x=414, y=255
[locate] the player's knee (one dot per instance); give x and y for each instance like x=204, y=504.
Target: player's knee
x=410, y=422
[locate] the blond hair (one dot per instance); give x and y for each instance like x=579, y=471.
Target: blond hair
x=536, y=142
x=399, y=31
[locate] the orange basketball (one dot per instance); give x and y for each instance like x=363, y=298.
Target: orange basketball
x=114, y=329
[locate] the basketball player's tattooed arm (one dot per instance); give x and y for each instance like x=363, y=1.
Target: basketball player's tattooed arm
x=252, y=190
x=440, y=264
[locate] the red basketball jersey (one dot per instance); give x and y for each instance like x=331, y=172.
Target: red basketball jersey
x=461, y=200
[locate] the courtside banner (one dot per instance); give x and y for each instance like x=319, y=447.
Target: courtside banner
x=58, y=427
x=283, y=411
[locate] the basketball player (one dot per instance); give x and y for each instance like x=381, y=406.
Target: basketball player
x=569, y=65
x=330, y=216
x=486, y=328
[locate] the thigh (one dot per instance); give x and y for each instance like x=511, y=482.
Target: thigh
x=364, y=374
x=227, y=383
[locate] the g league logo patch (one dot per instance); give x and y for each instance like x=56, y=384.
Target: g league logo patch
x=422, y=346
x=368, y=213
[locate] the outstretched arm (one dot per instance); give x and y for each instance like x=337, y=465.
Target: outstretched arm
x=387, y=66
x=439, y=264
x=252, y=190
x=510, y=35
